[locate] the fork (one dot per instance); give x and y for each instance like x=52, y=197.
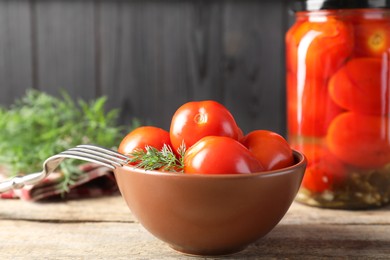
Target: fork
x=89, y=153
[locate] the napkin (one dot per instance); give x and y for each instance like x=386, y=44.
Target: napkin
x=96, y=181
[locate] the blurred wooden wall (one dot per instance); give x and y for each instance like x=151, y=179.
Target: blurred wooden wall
x=150, y=56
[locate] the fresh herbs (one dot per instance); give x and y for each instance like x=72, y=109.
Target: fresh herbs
x=153, y=159
x=38, y=126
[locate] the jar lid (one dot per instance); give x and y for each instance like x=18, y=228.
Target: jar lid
x=316, y=5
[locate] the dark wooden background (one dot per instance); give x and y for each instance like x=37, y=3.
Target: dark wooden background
x=149, y=57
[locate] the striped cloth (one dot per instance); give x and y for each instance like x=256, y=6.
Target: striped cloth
x=97, y=181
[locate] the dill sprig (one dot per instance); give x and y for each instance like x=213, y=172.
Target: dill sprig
x=153, y=159
x=39, y=125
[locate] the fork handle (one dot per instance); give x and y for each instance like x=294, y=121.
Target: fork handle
x=19, y=181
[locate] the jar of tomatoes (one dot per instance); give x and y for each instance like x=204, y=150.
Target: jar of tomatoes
x=338, y=101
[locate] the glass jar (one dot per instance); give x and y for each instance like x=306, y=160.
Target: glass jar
x=338, y=101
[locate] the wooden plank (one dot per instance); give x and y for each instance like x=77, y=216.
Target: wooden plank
x=205, y=54
x=15, y=50
x=66, y=55
x=103, y=228
x=40, y=240
x=150, y=57
x=45, y=240
x=144, y=62
x=323, y=241
x=254, y=71
x=110, y=209
x=156, y=56
x=302, y=214
x=105, y=209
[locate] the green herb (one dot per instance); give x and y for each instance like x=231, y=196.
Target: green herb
x=165, y=159
x=71, y=174
x=38, y=126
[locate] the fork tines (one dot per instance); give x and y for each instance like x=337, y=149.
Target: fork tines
x=96, y=154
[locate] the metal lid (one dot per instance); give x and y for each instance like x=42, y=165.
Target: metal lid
x=316, y=5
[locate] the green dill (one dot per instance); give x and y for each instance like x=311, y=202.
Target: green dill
x=153, y=159
x=71, y=174
x=39, y=125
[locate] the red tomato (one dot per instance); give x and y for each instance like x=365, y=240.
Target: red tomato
x=309, y=106
x=318, y=49
x=361, y=85
x=195, y=120
x=291, y=46
x=144, y=136
x=360, y=140
x=324, y=174
x=220, y=155
x=271, y=149
x=323, y=171
x=372, y=37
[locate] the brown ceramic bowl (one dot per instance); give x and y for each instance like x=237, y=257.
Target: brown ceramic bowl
x=210, y=214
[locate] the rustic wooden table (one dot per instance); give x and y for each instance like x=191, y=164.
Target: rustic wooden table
x=104, y=228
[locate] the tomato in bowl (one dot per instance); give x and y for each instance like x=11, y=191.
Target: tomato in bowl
x=210, y=189
x=210, y=214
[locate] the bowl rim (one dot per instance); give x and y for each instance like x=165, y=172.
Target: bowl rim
x=287, y=170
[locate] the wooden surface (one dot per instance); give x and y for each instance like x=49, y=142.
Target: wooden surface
x=104, y=228
x=149, y=56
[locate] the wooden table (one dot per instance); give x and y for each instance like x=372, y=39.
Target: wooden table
x=104, y=228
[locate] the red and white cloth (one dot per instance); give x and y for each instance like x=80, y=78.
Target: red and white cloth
x=96, y=181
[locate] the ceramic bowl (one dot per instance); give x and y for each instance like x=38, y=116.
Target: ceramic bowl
x=210, y=214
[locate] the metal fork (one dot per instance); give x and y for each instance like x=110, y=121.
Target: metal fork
x=89, y=153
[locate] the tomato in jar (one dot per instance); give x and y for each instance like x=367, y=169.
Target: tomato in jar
x=318, y=49
x=372, y=36
x=360, y=140
x=307, y=103
x=338, y=101
x=358, y=86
